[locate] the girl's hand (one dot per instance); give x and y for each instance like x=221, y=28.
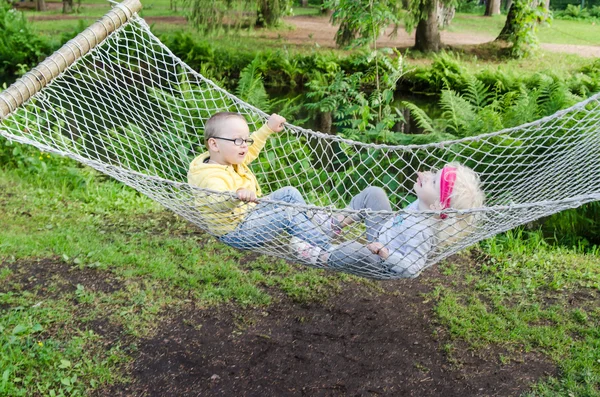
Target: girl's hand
x=275, y=122
x=378, y=249
x=246, y=195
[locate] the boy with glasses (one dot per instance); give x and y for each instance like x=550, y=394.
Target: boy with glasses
x=236, y=218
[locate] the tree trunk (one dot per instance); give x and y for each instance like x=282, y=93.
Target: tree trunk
x=323, y=152
x=325, y=122
x=445, y=15
x=511, y=24
x=427, y=36
x=40, y=5
x=492, y=7
x=304, y=3
x=67, y=6
x=547, y=7
x=508, y=5
x=269, y=13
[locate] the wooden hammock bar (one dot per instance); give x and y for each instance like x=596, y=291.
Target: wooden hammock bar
x=36, y=79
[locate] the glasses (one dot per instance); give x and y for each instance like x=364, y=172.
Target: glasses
x=237, y=141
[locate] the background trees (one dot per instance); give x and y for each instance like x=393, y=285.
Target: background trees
x=214, y=15
x=362, y=21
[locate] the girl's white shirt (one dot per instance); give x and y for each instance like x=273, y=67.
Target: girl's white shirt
x=410, y=237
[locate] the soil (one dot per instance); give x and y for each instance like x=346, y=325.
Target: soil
x=357, y=343
x=354, y=345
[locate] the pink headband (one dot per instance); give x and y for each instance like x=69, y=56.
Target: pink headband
x=447, y=180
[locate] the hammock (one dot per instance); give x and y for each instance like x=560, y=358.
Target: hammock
x=116, y=99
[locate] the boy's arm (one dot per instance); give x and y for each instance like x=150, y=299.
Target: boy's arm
x=260, y=139
x=275, y=123
x=218, y=202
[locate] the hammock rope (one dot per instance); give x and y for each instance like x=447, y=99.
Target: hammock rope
x=118, y=100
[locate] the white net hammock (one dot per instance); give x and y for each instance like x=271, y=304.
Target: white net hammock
x=116, y=99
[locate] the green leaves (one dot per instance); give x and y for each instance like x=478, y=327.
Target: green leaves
x=361, y=23
x=20, y=47
x=522, y=23
x=26, y=329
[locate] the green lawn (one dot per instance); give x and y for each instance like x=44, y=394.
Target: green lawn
x=556, y=32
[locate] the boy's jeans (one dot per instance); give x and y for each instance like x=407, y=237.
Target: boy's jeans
x=268, y=220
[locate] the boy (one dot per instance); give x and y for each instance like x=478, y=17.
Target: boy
x=235, y=216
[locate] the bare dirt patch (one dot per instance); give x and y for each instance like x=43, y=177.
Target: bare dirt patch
x=50, y=277
x=359, y=343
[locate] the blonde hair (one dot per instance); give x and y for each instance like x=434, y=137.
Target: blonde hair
x=466, y=194
x=216, y=123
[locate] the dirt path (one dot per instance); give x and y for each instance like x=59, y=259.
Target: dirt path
x=318, y=30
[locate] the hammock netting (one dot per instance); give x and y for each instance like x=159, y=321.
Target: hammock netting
x=133, y=110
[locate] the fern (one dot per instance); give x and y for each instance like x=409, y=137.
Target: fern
x=458, y=111
x=556, y=97
x=423, y=120
x=488, y=119
x=521, y=107
x=251, y=87
x=477, y=93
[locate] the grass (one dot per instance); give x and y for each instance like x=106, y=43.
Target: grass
x=556, y=32
x=526, y=296
x=570, y=32
x=42, y=353
x=71, y=217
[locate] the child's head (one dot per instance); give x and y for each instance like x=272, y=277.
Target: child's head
x=226, y=138
x=454, y=186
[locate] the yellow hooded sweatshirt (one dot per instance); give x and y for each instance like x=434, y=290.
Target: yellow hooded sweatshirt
x=222, y=213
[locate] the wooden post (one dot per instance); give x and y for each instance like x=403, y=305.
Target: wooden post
x=36, y=79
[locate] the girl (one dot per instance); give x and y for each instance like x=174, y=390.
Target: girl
x=401, y=243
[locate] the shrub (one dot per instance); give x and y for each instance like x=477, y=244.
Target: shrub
x=20, y=47
x=595, y=11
